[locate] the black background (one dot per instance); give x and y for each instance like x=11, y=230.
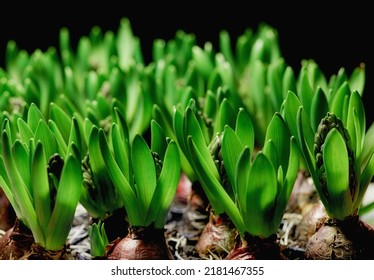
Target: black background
x=340, y=36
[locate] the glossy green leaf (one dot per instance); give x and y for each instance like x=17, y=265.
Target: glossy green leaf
x=34, y=116
x=288, y=184
x=368, y=146
x=166, y=187
x=231, y=150
x=45, y=135
x=128, y=196
x=307, y=152
x=336, y=163
x=305, y=91
x=319, y=108
x=67, y=198
x=24, y=131
x=126, y=44
x=62, y=120
x=103, y=183
x=275, y=79
x=244, y=129
x=365, y=180
x=357, y=79
x=225, y=46
x=120, y=120
x=192, y=128
x=356, y=122
x=75, y=136
x=270, y=151
x=121, y=151
x=278, y=133
x=144, y=171
x=339, y=105
x=226, y=72
x=5, y=186
x=61, y=144
x=290, y=109
x=158, y=139
x=19, y=191
x=210, y=106
x=261, y=195
x=225, y=117
x=202, y=61
x=288, y=82
x=22, y=155
x=98, y=239
x=40, y=186
x=163, y=120
x=220, y=200
x=242, y=176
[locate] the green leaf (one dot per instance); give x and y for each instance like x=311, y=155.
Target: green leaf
x=75, y=136
x=181, y=142
x=62, y=120
x=20, y=191
x=166, y=187
x=339, y=104
x=128, y=196
x=210, y=105
x=274, y=77
x=220, y=200
x=34, y=116
x=144, y=171
x=244, y=129
x=158, y=142
x=357, y=79
x=290, y=109
x=192, y=128
x=319, y=108
x=243, y=168
x=121, y=121
x=121, y=150
x=67, y=198
x=61, y=144
x=225, y=46
x=162, y=119
x=231, y=149
x=368, y=146
x=23, y=155
x=356, y=122
x=288, y=82
x=45, y=135
x=202, y=61
x=366, y=178
x=126, y=44
x=270, y=151
x=24, y=130
x=307, y=152
x=288, y=184
x=98, y=239
x=5, y=186
x=225, y=117
x=261, y=195
x=305, y=91
x=336, y=163
x=278, y=132
x=40, y=186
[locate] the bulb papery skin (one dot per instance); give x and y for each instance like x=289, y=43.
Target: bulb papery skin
x=18, y=244
x=141, y=243
x=256, y=248
x=342, y=240
x=217, y=238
